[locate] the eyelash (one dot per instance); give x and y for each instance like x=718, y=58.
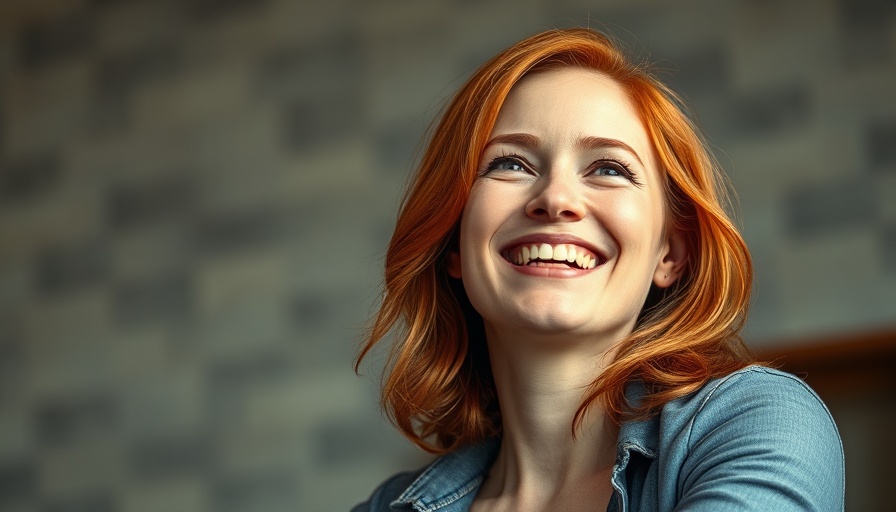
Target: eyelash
x=505, y=157
x=622, y=168
x=619, y=166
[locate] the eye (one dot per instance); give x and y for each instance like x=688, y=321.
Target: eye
x=510, y=163
x=614, y=168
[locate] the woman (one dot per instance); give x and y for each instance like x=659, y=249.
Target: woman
x=569, y=291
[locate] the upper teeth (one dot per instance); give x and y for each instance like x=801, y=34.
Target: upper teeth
x=546, y=252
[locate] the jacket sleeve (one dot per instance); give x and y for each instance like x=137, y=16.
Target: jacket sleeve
x=762, y=440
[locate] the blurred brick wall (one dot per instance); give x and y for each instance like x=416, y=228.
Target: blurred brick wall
x=196, y=195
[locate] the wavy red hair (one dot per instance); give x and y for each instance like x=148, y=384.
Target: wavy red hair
x=439, y=390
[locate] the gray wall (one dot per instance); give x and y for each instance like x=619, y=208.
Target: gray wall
x=196, y=195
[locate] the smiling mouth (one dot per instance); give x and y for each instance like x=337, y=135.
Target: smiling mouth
x=547, y=255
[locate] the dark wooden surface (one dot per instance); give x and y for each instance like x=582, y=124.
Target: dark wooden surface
x=839, y=366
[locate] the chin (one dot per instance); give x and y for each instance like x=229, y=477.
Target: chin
x=561, y=319
x=550, y=322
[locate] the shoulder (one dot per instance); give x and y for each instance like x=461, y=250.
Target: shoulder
x=758, y=394
x=759, y=384
x=387, y=492
x=765, y=433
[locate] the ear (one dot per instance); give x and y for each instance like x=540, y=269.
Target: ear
x=673, y=259
x=453, y=264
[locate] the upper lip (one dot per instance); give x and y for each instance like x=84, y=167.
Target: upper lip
x=554, y=239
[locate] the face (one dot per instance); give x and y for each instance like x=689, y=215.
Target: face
x=563, y=231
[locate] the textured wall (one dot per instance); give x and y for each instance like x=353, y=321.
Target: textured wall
x=195, y=198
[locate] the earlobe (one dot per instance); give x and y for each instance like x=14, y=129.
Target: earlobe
x=672, y=262
x=453, y=264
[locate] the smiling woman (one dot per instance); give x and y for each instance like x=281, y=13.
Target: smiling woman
x=568, y=290
x=556, y=174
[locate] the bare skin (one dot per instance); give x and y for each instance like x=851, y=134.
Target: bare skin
x=570, y=165
x=540, y=466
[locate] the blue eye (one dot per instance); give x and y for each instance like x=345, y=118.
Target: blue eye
x=606, y=170
x=613, y=168
x=504, y=163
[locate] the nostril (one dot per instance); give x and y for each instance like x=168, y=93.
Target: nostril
x=560, y=214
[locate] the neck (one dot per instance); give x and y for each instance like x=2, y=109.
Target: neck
x=541, y=384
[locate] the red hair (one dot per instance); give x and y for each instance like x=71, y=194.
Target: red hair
x=439, y=382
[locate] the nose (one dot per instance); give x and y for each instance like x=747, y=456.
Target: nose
x=558, y=199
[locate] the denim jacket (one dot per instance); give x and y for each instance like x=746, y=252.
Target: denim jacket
x=757, y=439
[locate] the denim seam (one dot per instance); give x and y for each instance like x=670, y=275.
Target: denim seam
x=413, y=488
x=706, y=399
x=760, y=369
x=456, y=495
x=407, y=496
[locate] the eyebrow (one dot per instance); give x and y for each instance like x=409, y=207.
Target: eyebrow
x=531, y=141
x=517, y=139
x=603, y=142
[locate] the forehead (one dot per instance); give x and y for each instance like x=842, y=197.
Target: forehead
x=573, y=102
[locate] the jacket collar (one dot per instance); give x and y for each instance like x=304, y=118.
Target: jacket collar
x=458, y=475
x=450, y=478
x=644, y=435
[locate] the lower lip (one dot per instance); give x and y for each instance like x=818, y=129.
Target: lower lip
x=558, y=272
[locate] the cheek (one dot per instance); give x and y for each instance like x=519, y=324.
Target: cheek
x=630, y=212
x=473, y=225
x=481, y=217
x=470, y=222
x=639, y=224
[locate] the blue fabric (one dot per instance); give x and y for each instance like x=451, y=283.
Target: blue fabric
x=758, y=439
